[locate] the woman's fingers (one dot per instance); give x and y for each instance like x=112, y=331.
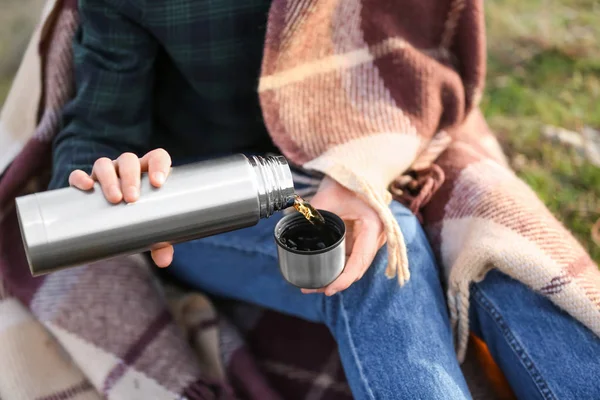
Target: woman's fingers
x=105, y=173
x=312, y=291
x=363, y=252
x=158, y=164
x=81, y=180
x=163, y=256
x=120, y=179
x=128, y=165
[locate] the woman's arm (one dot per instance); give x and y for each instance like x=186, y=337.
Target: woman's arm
x=111, y=111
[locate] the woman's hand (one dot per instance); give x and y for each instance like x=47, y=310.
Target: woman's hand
x=364, y=232
x=120, y=180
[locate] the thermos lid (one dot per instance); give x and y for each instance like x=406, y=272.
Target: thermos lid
x=313, y=269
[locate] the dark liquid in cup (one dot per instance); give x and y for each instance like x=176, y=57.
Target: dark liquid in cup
x=311, y=236
x=307, y=237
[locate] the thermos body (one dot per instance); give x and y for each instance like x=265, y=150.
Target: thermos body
x=69, y=227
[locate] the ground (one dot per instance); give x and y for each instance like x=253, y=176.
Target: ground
x=543, y=70
x=17, y=20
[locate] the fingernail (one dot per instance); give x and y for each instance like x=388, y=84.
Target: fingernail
x=133, y=193
x=114, y=192
x=159, y=177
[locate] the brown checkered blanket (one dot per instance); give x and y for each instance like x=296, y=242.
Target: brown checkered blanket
x=116, y=330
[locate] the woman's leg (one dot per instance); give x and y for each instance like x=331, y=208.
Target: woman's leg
x=543, y=352
x=394, y=342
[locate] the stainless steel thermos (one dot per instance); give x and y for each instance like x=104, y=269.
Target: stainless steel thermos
x=69, y=227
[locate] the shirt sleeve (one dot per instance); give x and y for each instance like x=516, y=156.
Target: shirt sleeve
x=111, y=111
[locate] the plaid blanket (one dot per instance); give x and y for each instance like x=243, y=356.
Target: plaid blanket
x=373, y=92
x=117, y=330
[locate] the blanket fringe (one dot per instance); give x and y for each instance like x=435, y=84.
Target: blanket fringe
x=415, y=188
x=464, y=273
x=458, y=303
x=397, y=253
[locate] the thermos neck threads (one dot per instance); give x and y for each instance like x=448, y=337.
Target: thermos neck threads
x=275, y=184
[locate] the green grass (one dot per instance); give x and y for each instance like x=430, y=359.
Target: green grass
x=17, y=20
x=543, y=69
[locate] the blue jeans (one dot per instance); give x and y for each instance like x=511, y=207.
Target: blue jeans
x=395, y=342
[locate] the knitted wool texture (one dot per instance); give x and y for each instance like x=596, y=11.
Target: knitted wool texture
x=364, y=90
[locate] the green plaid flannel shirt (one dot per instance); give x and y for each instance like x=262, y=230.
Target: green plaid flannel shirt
x=177, y=74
